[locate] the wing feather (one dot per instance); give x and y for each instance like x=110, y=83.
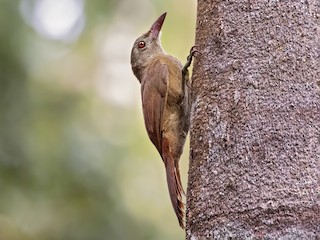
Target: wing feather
x=154, y=97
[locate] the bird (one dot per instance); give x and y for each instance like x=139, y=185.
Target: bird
x=165, y=94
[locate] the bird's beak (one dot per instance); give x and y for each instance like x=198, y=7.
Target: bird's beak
x=156, y=26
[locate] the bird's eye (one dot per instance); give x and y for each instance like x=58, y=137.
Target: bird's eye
x=141, y=44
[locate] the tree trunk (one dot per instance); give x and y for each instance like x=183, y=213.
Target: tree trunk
x=255, y=121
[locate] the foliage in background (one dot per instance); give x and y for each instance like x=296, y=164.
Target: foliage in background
x=75, y=161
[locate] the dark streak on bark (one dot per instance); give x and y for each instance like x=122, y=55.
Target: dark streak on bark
x=255, y=129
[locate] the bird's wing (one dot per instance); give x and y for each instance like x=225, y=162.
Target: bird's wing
x=154, y=96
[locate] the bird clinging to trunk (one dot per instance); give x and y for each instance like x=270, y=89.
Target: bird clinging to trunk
x=165, y=103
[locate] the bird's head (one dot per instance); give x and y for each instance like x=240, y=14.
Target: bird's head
x=147, y=46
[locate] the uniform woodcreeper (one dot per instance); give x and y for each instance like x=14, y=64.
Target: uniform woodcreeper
x=165, y=103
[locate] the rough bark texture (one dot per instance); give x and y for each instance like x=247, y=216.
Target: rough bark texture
x=255, y=121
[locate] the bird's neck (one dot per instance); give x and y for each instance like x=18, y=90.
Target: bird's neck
x=139, y=69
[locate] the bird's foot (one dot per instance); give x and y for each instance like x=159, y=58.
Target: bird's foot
x=193, y=51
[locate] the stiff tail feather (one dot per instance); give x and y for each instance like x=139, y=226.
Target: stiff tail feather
x=179, y=179
x=174, y=183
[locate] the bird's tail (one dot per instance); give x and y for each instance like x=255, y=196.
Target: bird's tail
x=174, y=182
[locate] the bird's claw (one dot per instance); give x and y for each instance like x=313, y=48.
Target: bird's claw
x=193, y=51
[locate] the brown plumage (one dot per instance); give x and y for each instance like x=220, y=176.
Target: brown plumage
x=165, y=103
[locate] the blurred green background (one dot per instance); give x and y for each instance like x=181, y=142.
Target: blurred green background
x=75, y=159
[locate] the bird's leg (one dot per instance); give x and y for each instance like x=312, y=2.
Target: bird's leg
x=185, y=73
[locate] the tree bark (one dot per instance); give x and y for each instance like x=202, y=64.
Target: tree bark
x=255, y=121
